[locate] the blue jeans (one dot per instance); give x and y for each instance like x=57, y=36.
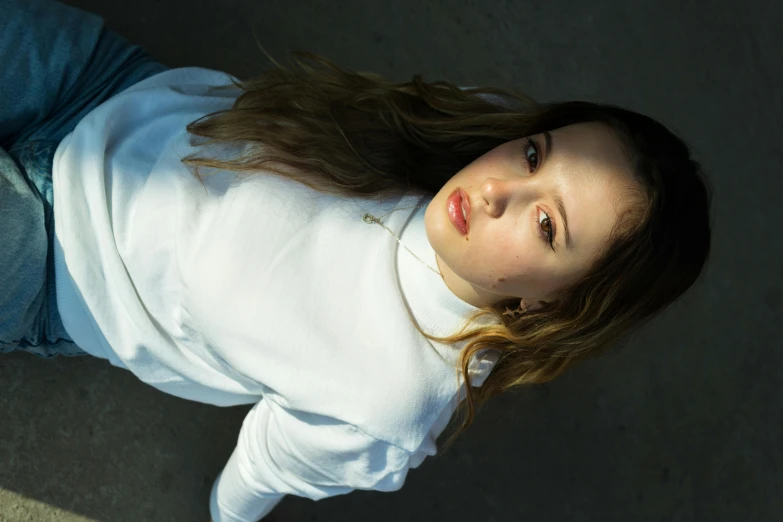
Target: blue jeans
x=57, y=63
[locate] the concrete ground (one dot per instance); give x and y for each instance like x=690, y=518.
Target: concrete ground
x=684, y=423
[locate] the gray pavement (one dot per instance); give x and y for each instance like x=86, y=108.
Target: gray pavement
x=682, y=423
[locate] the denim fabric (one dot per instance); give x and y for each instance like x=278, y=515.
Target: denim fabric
x=57, y=63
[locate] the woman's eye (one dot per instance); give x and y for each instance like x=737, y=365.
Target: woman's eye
x=546, y=229
x=530, y=154
x=546, y=225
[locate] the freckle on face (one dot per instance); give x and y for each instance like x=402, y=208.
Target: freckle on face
x=502, y=280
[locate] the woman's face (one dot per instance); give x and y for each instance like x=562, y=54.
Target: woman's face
x=519, y=194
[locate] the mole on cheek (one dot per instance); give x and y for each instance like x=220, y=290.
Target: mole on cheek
x=502, y=280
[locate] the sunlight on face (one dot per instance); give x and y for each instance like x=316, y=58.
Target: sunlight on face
x=515, y=207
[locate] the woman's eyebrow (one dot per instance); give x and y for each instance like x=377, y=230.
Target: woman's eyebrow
x=561, y=208
x=556, y=197
x=548, y=139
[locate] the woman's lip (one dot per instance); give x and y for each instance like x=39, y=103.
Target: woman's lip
x=457, y=203
x=466, y=206
x=454, y=205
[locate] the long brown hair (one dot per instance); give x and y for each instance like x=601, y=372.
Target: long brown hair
x=358, y=134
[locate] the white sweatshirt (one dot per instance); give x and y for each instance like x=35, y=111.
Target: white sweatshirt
x=254, y=289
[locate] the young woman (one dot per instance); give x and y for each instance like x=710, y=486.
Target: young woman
x=358, y=258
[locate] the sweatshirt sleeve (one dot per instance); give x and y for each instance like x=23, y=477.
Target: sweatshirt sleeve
x=281, y=451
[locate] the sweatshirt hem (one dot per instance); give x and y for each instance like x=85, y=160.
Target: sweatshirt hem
x=75, y=318
x=74, y=314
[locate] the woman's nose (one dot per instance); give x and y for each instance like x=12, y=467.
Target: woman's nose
x=496, y=194
x=499, y=193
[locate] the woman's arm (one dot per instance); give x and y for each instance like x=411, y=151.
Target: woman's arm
x=286, y=452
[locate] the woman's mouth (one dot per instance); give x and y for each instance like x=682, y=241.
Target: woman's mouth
x=458, y=207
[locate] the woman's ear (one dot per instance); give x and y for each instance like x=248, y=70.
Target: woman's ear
x=531, y=304
x=524, y=306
